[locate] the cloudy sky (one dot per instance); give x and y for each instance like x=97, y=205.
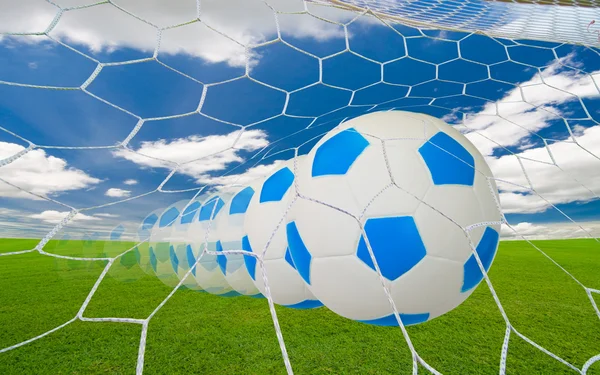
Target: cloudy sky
x=224, y=99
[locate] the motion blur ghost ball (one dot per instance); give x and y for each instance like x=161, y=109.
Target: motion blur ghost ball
x=230, y=232
x=413, y=183
x=267, y=209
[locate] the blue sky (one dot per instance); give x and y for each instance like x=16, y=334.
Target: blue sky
x=519, y=98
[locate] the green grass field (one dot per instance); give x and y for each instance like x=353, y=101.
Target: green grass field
x=200, y=333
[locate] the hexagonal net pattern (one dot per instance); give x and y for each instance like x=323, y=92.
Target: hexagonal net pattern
x=291, y=72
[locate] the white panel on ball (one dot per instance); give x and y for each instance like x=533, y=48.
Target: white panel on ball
x=265, y=224
x=413, y=183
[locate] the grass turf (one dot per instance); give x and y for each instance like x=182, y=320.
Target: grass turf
x=200, y=333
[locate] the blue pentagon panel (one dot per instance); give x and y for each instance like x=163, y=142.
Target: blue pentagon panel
x=191, y=259
x=152, y=258
x=221, y=259
x=188, y=214
x=174, y=260
x=390, y=320
x=485, y=249
x=149, y=221
x=209, y=210
x=249, y=260
x=168, y=218
x=300, y=254
x=275, y=187
x=239, y=203
x=396, y=244
x=117, y=232
x=306, y=304
x=448, y=161
x=288, y=258
x=336, y=155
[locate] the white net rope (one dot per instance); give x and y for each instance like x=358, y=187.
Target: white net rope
x=488, y=18
x=566, y=21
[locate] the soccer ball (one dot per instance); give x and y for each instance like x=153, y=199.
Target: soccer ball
x=142, y=249
x=405, y=186
x=266, y=210
x=162, y=253
x=183, y=258
x=208, y=275
x=229, y=229
x=117, y=243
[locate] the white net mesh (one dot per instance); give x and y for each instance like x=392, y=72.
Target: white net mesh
x=267, y=80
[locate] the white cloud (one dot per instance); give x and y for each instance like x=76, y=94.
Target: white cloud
x=39, y=173
x=215, y=153
x=117, y=193
x=106, y=28
x=517, y=116
x=252, y=174
x=130, y=182
x=577, y=181
x=106, y=215
x=575, y=178
x=544, y=231
x=55, y=217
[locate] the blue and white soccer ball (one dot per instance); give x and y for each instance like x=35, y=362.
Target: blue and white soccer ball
x=266, y=210
x=162, y=253
x=208, y=275
x=182, y=256
x=142, y=250
x=413, y=182
x=229, y=231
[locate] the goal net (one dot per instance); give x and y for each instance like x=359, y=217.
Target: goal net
x=119, y=117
